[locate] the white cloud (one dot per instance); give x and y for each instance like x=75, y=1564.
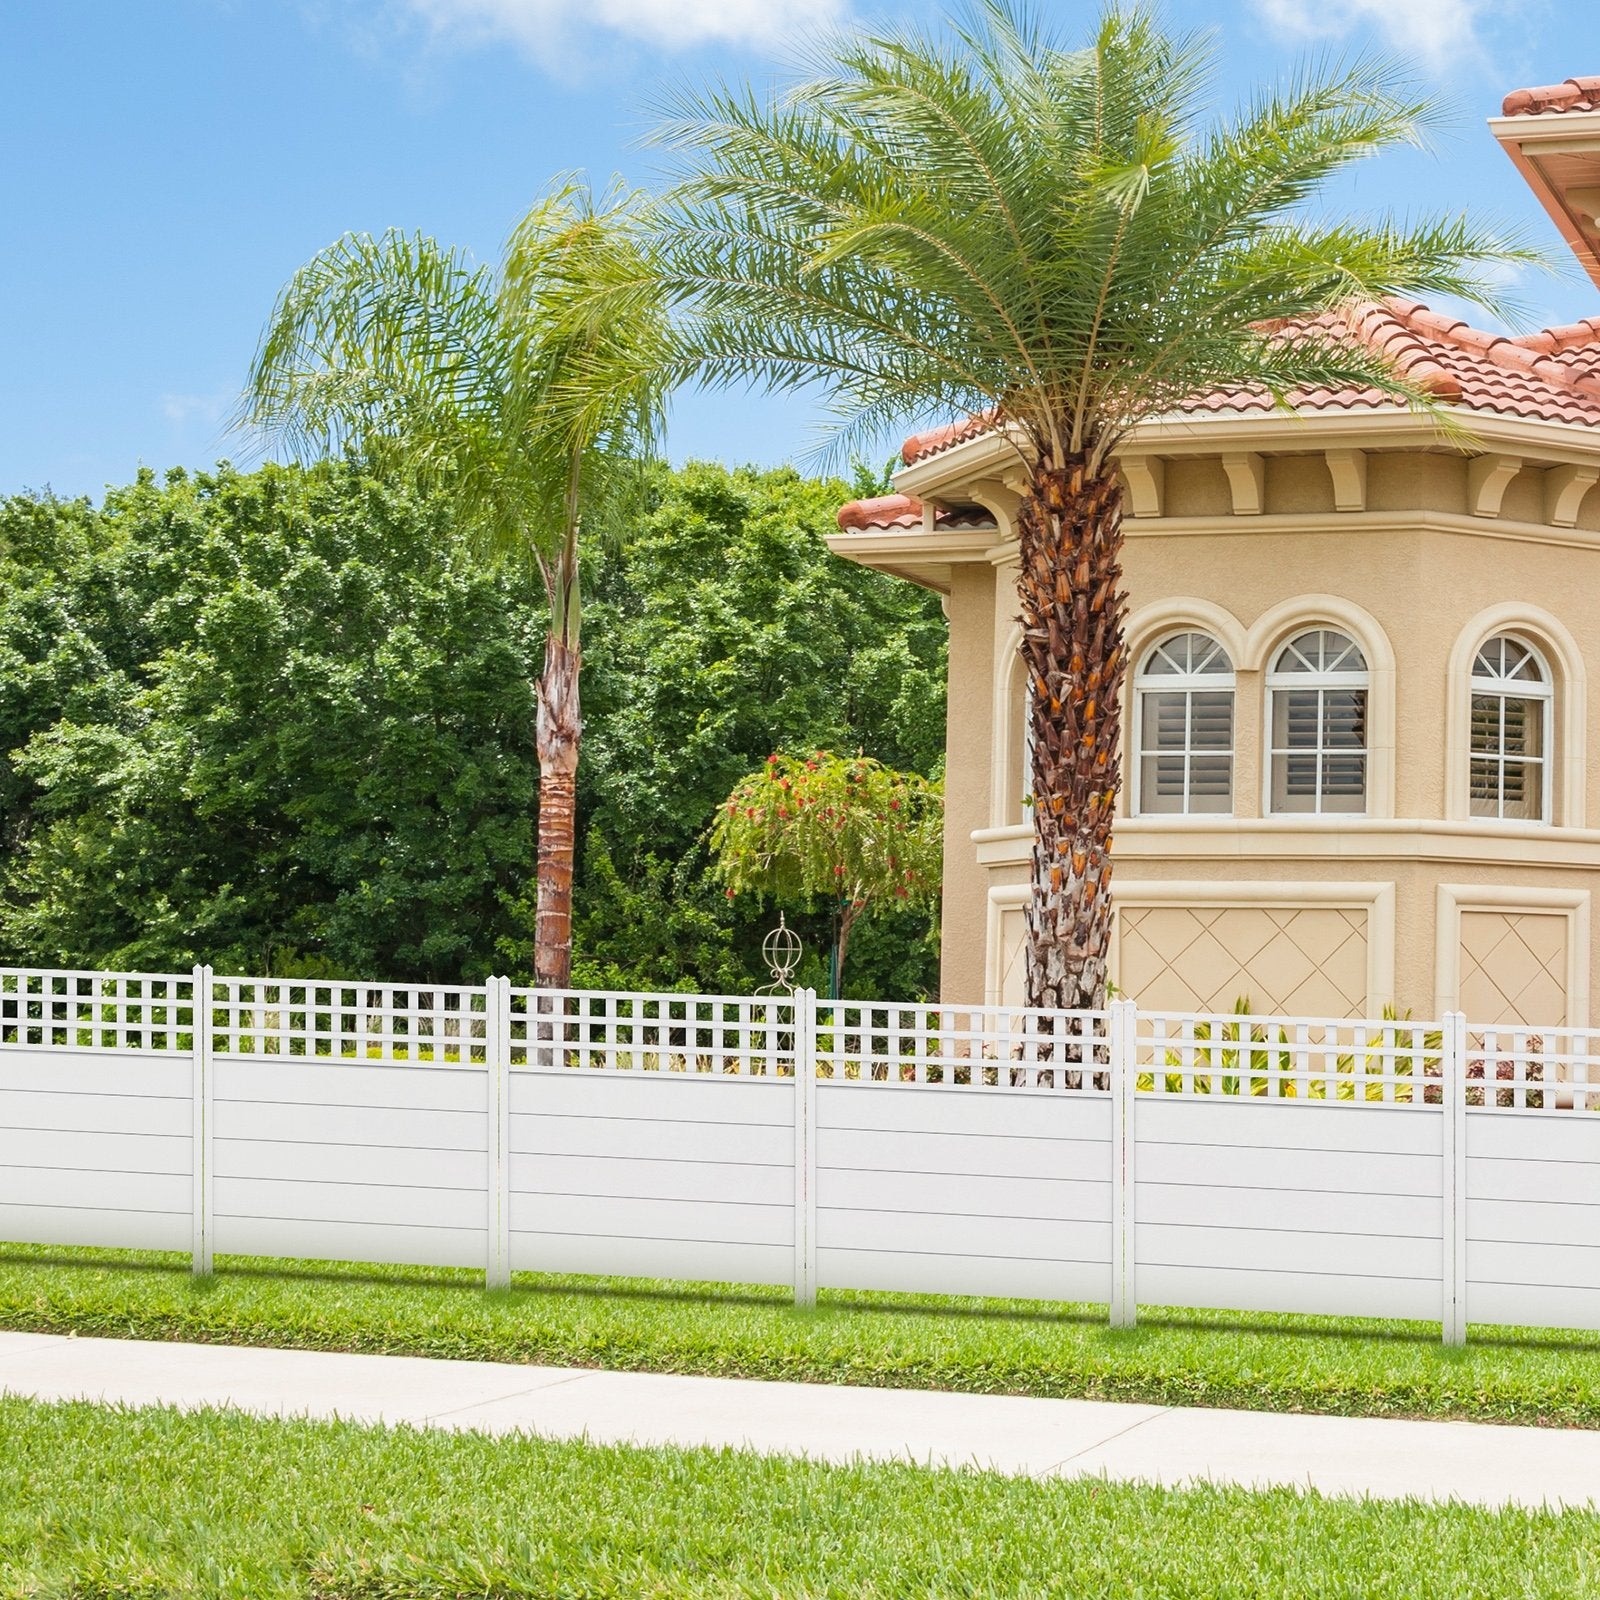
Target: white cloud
x=1436, y=32
x=545, y=28
x=206, y=409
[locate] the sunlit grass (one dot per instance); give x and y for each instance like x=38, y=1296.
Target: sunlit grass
x=99, y=1502
x=1014, y=1347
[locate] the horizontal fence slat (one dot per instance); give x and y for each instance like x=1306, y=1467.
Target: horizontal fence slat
x=754, y=1144
x=1009, y=1239
x=265, y=1081
x=977, y=1154
x=634, y=1178
x=1247, y=1124
x=90, y=1153
x=342, y=1203
x=940, y=1195
x=709, y=1222
x=910, y=1109
x=1285, y=1251
x=276, y=1161
x=651, y=1096
x=68, y=1111
x=691, y=1261
x=398, y=1128
x=899, y=1272
x=1310, y=1212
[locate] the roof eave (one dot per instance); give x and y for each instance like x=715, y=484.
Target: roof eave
x=1527, y=138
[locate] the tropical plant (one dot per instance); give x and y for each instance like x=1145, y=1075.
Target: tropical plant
x=983, y=219
x=513, y=393
x=845, y=830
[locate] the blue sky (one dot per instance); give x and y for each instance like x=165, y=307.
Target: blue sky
x=167, y=163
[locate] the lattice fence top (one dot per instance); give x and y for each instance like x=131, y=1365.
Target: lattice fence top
x=1533, y=1069
x=981, y=1047
x=67, y=1010
x=1382, y=1062
x=1373, y=1061
x=426, y=1024
x=749, y=1036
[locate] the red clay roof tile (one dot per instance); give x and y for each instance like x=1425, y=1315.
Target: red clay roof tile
x=1576, y=94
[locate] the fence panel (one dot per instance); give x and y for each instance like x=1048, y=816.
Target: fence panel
x=963, y=1151
x=350, y=1122
x=1533, y=1177
x=1289, y=1165
x=95, y=1108
x=653, y=1136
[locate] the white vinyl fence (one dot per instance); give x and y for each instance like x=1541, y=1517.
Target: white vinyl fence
x=1367, y=1168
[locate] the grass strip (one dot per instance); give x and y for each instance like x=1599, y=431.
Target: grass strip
x=1263, y=1363
x=99, y=1502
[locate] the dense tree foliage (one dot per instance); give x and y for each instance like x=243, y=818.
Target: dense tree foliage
x=284, y=720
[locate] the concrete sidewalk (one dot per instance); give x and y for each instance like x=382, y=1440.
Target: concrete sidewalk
x=1472, y=1462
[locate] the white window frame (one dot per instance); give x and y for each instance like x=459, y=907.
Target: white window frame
x=1277, y=682
x=1186, y=683
x=1502, y=689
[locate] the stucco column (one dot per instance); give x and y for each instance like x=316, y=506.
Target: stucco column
x=969, y=746
x=1249, y=744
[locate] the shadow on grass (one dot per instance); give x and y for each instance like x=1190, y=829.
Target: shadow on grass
x=837, y=1303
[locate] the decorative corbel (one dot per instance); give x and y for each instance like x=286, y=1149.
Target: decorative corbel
x=1146, y=478
x=1348, y=469
x=1564, y=489
x=1488, y=478
x=1247, y=481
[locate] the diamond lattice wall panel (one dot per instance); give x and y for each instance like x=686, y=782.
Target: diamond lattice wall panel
x=1514, y=967
x=1300, y=960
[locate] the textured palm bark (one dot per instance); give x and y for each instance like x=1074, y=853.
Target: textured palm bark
x=1069, y=584
x=559, y=726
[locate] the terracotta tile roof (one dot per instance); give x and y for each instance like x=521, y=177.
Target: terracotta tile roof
x=889, y=511
x=937, y=439
x=1576, y=94
x=1552, y=376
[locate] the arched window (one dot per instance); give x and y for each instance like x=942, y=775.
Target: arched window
x=1317, y=714
x=1512, y=709
x=1183, y=714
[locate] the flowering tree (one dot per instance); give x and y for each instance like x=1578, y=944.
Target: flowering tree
x=843, y=830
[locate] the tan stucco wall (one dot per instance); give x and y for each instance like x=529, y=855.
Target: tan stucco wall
x=1410, y=592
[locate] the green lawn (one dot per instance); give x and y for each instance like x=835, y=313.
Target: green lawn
x=102, y=1502
x=1188, y=1358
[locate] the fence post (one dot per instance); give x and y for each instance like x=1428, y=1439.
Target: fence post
x=1453, y=1091
x=202, y=1133
x=1123, y=1038
x=497, y=1067
x=805, y=1147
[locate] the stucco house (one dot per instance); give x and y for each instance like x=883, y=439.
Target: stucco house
x=1362, y=764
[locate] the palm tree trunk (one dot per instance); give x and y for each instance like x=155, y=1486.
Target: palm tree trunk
x=1069, y=584
x=558, y=729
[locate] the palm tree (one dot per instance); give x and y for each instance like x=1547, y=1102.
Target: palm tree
x=510, y=391
x=980, y=219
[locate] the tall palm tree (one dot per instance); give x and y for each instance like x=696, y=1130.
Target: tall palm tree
x=981, y=219
x=515, y=393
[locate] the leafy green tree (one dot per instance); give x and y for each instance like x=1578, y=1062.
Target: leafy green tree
x=987, y=218
x=720, y=630
x=288, y=719
x=470, y=382
x=283, y=720
x=844, y=830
